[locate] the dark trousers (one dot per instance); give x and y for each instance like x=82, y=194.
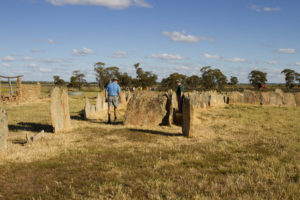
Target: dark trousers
x=180, y=102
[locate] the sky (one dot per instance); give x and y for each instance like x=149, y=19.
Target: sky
x=43, y=38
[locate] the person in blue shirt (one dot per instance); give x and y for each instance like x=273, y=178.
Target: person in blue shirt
x=112, y=96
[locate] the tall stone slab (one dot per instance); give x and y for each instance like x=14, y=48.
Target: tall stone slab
x=3, y=129
x=59, y=110
x=289, y=99
x=100, y=103
x=66, y=112
x=188, y=128
x=249, y=97
x=297, y=98
x=275, y=99
x=264, y=98
x=56, y=110
x=87, y=108
x=236, y=97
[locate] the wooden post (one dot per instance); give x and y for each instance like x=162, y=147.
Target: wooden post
x=10, y=87
x=19, y=89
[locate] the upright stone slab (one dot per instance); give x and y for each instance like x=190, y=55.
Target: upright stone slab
x=59, y=110
x=99, y=103
x=297, y=98
x=289, y=99
x=275, y=99
x=123, y=98
x=188, y=129
x=264, y=98
x=66, y=112
x=236, y=97
x=280, y=92
x=3, y=129
x=56, y=110
x=87, y=108
x=249, y=97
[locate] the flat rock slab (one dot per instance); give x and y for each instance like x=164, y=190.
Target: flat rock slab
x=147, y=108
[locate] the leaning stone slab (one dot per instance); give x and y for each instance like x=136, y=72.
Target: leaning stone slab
x=3, y=129
x=289, y=99
x=188, y=129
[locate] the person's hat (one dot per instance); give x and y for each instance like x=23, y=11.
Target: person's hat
x=178, y=81
x=115, y=79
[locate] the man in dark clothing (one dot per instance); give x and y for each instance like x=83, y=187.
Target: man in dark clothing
x=180, y=95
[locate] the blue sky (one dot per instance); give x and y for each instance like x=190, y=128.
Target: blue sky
x=43, y=38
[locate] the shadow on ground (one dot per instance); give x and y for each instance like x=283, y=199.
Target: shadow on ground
x=29, y=126
x=155, y=132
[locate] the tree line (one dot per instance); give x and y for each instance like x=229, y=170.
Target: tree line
x=208, y=78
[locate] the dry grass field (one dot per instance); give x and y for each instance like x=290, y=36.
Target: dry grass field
x=239, y=152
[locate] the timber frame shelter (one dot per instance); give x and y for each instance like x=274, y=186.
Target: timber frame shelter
x=19, y=83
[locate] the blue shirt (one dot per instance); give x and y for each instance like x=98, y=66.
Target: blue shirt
x=113, y=89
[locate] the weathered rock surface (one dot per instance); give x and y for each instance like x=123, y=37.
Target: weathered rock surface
x=264, y=98
x=275, y=99
x=249, y=97
x=289, y=99
x=297, y=98
x=59, y=110
x=188, y=110
x=147, y=108
x=87, y=108
x=3, y=129
x=236, y=97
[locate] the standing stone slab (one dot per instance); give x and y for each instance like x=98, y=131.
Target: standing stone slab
x=87, y=108
x=3, y=129
x=56, y=110
x=297, y=98
x=66, y=112
x=289, y=99
x=188, y=129
x=249, y=97
x=264, y=98
x=59, y=110
x=275, y=99
x=99, y=103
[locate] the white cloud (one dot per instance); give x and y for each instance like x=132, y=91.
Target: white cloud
x=8, y=58
x=36, y=50
x=181, y=37
x=273, y=62
x=113, y=4
x=298, y=63
x=217, y=57
x=45, y=70
x=82, y=52
x=5, y=64
x=51, y=60
x=268, y=9
x=209, y=56
x=26, y=58
x=119, y=54
x=258, y=8
x=287, y=50
x=165, y=56
x=235, y=59
x=32, y=65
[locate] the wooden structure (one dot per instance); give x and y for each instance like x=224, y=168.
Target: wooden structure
x=11, y=95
